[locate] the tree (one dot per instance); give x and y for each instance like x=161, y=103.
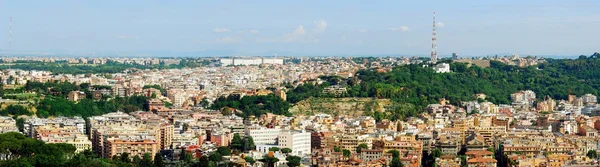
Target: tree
x=215, y=157
x=137, y=160
x=293, y=161
x=396, y=162
x=158, y=160
x=203, y=161
x=346, y=153
x=270, y=161
x=286, y=150
x=395, y=159
x=225, y=151
x=185, y=156
x=125, y=157
x=436, y=153
x=593, y=154
x=20, y=124
x=236, y=142
x=274, y=149
x=361, y=146
x=249, y=160
x=336, y=149
x=249, y=143
x=146, y=160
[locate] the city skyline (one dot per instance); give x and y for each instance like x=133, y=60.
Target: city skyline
x=470, y=28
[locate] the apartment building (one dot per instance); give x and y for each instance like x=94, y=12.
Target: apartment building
x=263, y=135
x=8, y=124
x=77, y=122
x=298, y=141
x=133, y=145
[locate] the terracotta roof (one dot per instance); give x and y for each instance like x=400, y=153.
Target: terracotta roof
x=481, y=160
x=479, y=152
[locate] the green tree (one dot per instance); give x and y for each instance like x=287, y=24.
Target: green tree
x=236, y=142
x=336, y=149
x=274, y=149
x=293, y=161
x=361, y=146
x=395, y=159
x=436, y=153
x=203, y=161
x=249, y=160
x=158, y=160
x=225, y=151
x=125, y=157
x=186, y=157
x=137, y=160
x=270, y=161
x=215, y=157
x=20, y=124
x=286, y=150
x=146, y=160
x=346, y=153
x=249, y=143
x=593, y=154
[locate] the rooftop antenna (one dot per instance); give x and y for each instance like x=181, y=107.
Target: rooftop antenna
x=433, y=43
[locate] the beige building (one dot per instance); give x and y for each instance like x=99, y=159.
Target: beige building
x=133, y=145
x=8, y=124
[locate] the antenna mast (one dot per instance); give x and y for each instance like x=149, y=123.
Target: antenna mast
x=433, y=43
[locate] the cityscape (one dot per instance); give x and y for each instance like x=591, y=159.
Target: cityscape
x=252, y=106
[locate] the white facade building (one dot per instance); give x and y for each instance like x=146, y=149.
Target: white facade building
x=250, y=61
x=264, y=135
x=442, y=68
x=298, y=141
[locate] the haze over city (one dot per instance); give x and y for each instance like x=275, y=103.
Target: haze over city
x=338, y=83
x=302, y=28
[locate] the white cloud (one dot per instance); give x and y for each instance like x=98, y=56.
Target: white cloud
x=221, y=30
x=299, y=31
x=401, y=29
x=439, y=24
x=363, y=30
x=320, y=25
x=298, y=35
x=253, y=31
x=128, y=37
x=229, y=39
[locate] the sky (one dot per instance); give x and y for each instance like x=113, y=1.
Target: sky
x=296, y=28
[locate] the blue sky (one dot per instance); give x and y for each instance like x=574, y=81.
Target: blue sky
x=332, y=27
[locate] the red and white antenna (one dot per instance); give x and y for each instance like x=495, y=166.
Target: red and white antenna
x=433, y=43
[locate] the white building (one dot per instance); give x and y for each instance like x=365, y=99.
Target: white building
x=589, y=99
x=249, y=61
x=442, y=68
x=8, y=124
x=298, y=141
x=77, y=122
x=263, y=136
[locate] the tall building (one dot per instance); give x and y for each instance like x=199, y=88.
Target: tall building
x=454, y=56
x=264, y=135
x=298, y=141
